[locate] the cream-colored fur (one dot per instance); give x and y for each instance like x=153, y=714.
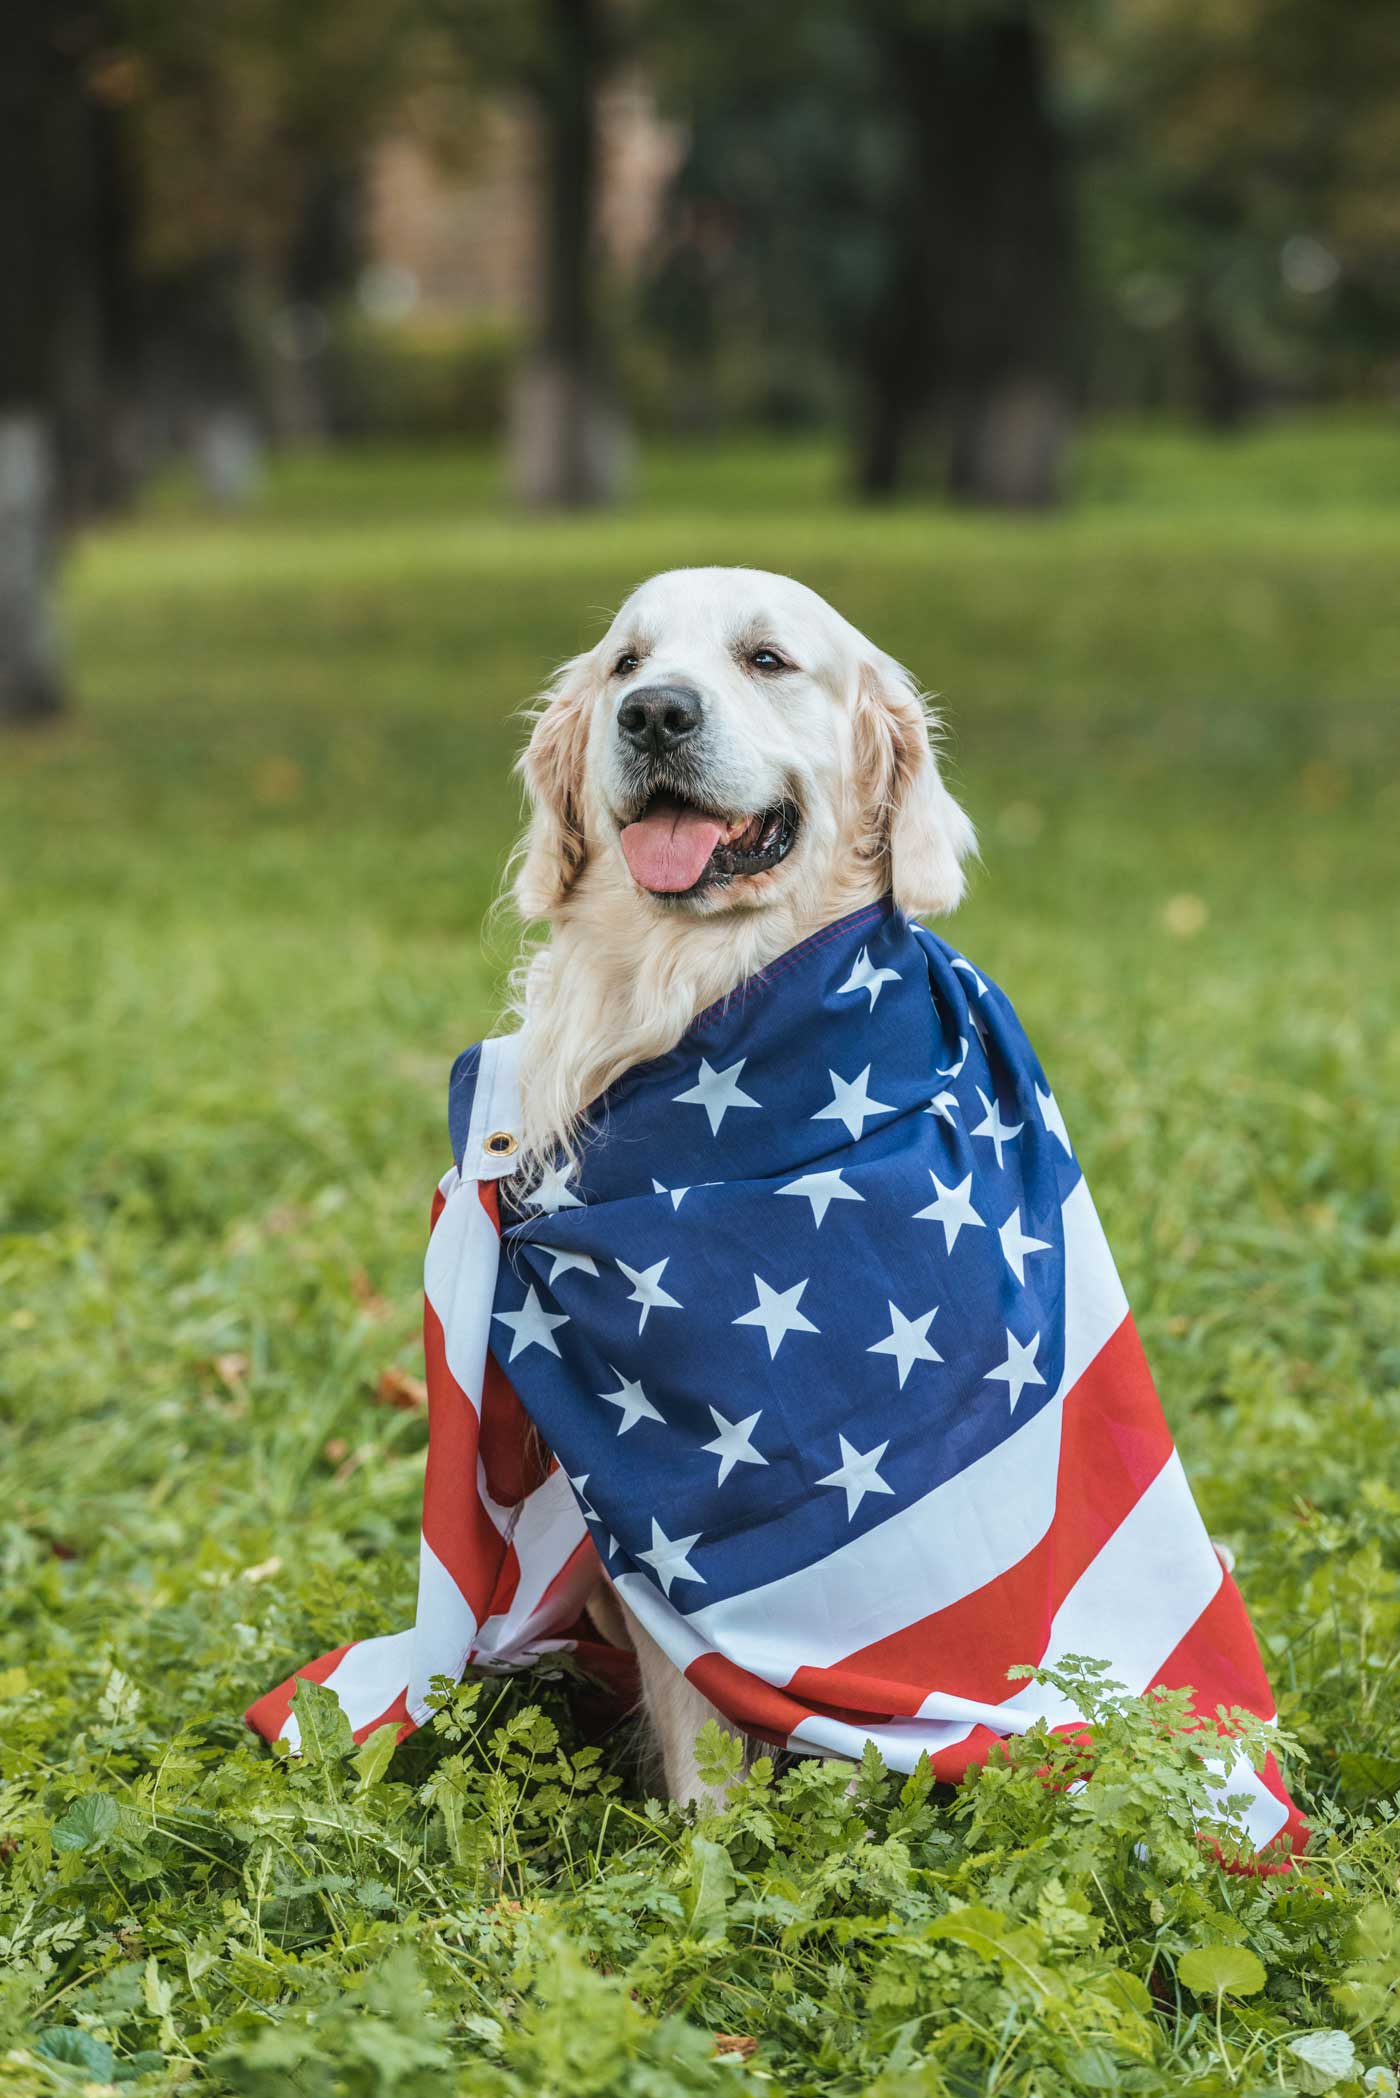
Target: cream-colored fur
x=844, y=734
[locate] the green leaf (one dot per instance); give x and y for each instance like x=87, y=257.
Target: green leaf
x=1094, y=2069
x=1366, y=1776
x=325, y=1729
x=78, y=2050
x=375, y=1754
x=1123, y=1988
x=919, y=1783
x=1320, y=2059
x=711, y=1888
x=87, y=1824
x=159, y=1994
x=1374, y=1932
x=488, y=2030
x=1221, y=1970
x=144, y=2063
x=719, y=1755
x=977, y=1927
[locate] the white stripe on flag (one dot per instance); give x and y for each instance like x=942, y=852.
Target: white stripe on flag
x=1130, y=1608
x=502, y=1516
x=1138, y=1597
x=674, y=1634
x=445, y=1629
x=966, y=1532
x=1265, y=1815
x=900, y=1741
x=550, y=1528
x=366, y=1679
x=459, y=1278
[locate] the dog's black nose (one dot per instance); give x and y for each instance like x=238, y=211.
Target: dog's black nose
x=658, y=717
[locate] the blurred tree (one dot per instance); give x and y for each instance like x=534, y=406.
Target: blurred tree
x=253, y=122
x=569, y=442
x=179, y=203
x=67, y=321
x=971, y=322
x=897, y=182
x=29, y=677
x=1243, y=187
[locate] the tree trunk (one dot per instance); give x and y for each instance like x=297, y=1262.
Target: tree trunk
x=896, y=361
x=568, y=441
x=974, y=332
x=1225, y=393
x=121, y=440
x=1007, y=303
x=30, y=683
x=325, y=253
x=31, y=70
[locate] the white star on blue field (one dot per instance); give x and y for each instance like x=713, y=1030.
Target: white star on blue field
x=812, y=1267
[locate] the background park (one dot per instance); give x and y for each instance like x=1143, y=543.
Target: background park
x=354, y=360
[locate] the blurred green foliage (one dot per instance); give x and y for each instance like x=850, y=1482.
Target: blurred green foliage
x=243, y=893
x=1230, y=217
x=417, y=381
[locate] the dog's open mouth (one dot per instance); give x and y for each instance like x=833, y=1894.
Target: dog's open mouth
x=675, y=848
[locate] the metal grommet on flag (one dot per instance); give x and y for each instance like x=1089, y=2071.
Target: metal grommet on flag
x=500, y=1143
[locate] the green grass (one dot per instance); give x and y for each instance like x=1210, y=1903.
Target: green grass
x=242, y=892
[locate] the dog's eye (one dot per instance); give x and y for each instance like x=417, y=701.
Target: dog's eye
x=626, y=664
x=766, y=659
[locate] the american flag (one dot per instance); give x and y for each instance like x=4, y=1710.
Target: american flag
x=839, y=1382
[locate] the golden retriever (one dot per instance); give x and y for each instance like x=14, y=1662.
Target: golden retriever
x=730, y=769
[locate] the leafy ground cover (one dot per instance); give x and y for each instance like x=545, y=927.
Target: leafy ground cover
x=242, y=893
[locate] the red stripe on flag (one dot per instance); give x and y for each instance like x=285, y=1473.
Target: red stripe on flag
x=506, y=1584
x=1113, y=1443
x=758, y=1707
x=1220, y=1661
x=457, y=1526
x=1219, y=1658
x=1295, y=1835
x=568, y=1590
x=396, y=1714
x=614, y=1666
x=513, y=1455
x=270, y=1714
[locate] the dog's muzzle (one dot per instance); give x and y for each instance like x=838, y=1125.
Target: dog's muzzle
x=657, y=719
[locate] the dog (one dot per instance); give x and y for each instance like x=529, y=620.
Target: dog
x=733, y=767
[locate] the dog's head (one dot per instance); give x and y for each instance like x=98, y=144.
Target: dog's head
x=730, y=743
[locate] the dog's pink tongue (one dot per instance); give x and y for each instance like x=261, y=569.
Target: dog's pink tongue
x=667, y=850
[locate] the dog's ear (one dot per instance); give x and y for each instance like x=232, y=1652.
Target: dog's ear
x=912, y=819
x=554, y=848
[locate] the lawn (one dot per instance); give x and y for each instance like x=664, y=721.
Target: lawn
x=243, y=891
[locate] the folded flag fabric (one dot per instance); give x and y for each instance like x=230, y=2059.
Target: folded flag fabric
x=838, y=1378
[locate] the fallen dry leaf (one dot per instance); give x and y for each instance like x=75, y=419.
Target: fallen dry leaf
x=367, y=1296
x=230, y=1370
x=740, y=2043
x=278, y=781
x=1185, y=916
x=397, y=1388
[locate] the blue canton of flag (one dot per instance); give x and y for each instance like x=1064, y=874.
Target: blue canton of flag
x=813, y=1267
